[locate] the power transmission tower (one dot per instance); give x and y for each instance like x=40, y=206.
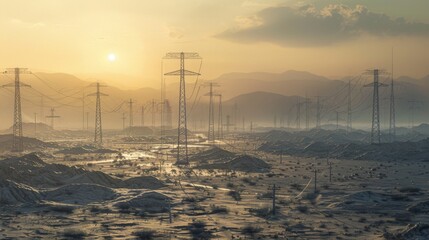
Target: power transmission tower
x=228, y=123
x=168, y=114
x=220, y=122
x=211, y=132
x=392, y=122
x=98, y=134
x=318, y=112
x=131, y=113
x=298, y=114
x=123, y=121
x=349, y=108
x=18, y=144
x=153, y=111
x=375, y=127
x=182, y=129
x=142, y=116
x=52, y=117
x=235, y=116
x=307, y=113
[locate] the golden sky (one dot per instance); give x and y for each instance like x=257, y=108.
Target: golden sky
x=326, y=37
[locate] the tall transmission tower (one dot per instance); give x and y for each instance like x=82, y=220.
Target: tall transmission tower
x=220, y=121
x=298, y=113
x=142, y=116
x=123, y=121
x=235, y=116
x=52, y=117
x=349, y=108
x=318, y=112
x=131, y=113
x=168, y=114
x=392, y=122
x=210, y=94
x=375, y=126
x=307, y=113
x=182, y=129
x=18, y=144
x=98, y=134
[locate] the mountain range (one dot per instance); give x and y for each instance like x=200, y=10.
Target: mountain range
x=259, y=97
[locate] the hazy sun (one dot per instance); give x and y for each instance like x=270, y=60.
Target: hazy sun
x=111, y=57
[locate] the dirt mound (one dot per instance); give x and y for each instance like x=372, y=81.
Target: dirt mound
x=87, y=149
x=32, y=171
x=32, y=144
x=214, y=154
x=15, y=193
x=147, y=182
x=80, y=194
x=152, y=202
x=243, y=163
x=367, y=201
x=412, y=232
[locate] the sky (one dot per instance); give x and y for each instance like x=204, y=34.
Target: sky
x=123, y=41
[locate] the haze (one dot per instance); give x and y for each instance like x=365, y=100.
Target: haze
x=78, y=36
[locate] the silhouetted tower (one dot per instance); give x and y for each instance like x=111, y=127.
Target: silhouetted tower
x=251, y=127
x=228, y=123
x=168, y=115
x=375, y=128
x=307, y=113
x=98, y=134
x=298, y=114
x=52, y=117
x=130, y=103
x=337, y=119
x=318, y=112
x=123, y=121
x=182, y=129
x=211, y=132
x=142, y=116
x=392, y=122
x=235, y=116
x=17, y=145
x=349, y=108
x=153, y=112
x=220, y=121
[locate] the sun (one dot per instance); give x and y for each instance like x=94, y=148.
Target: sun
x=111, y=57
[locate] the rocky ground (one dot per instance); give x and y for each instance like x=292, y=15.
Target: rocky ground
x=134, y=191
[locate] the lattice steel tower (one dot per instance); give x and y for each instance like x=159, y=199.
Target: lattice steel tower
x=375, y=127
x=98, y=134
x=18, y=144
x=52, y=117
x=211, y=94
x=392, y=122
x=349, y=108
x=182, y=129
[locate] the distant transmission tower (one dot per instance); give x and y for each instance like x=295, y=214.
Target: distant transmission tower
x=142, y=116
x=318, y=112
x=349, y=108
x=18, y=144
x=220, y=122
x=211, y=132
x=52, y=117
x=392, y=122
x=131, y=113
x=168, y=114
x=375, y=127
x=298, y=114
x=182, y=129
x=123, y=121
x=307, y=113
x=98, y=134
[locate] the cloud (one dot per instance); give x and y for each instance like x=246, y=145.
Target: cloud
x=306, y=26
